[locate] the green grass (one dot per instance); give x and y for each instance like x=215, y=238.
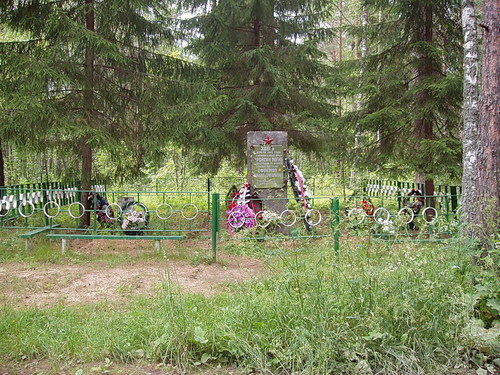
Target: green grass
x=41, y=250
x=387, y=309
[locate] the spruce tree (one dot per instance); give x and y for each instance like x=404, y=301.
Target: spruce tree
x=412, y=89
x=270, y=73
x=87, y=77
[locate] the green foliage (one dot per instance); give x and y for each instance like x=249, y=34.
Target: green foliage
x=138, y=97
x=270, y=74
x=487, y=290
x=255, y=65
x=407, y=77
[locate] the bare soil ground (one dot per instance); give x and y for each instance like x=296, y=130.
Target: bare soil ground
x=44, y=367
x=43, y=284
x=28, y=284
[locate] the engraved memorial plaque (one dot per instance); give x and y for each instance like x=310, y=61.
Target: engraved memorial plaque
x=268, y=166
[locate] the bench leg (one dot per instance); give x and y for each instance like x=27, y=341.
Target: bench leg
x=63, y=245
x=157, y=246
x=26, y=244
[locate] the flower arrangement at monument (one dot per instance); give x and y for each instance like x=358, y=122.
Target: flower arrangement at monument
x=268, y=221
x=133, y=220
x=368, y=207
x=104, y=213
x=298, y=182
x=300, y=190
x=241, y=211
x=241, y=217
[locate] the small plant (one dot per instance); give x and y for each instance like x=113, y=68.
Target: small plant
x=202, y=259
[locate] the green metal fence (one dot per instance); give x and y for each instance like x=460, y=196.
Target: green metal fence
x=61, y=208
x=388, y=218
x=376, y=188
x=204, y=215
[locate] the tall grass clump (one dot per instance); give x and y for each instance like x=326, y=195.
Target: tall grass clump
x=386, y=310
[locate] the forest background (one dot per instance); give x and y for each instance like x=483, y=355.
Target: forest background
x=133, y=91
x=146, y=89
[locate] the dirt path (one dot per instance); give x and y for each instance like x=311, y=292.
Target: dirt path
x=22, y=284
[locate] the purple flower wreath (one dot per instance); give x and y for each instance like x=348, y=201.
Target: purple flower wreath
x=240, y=213
x=241, y=216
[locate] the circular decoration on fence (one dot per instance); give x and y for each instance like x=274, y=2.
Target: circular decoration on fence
x=241, y=216
x=46, y=208
x=458, y=213
x=357, y=215
x=313, y=217
x=434, y=217
x=81, y=209
x=379, y=212
x=261, y=219
x=406, y=215
x=110, y=213
x=187, y=206
x=4, y=211
x=290, y=221
x=162, y=216
x=236, y=219
x=24, y=204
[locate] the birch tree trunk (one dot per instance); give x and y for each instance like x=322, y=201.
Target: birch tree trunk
x=488, y=181
x=470, y=138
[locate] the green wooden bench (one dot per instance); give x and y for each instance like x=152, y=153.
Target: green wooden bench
x=157, y=239
x=27, y=236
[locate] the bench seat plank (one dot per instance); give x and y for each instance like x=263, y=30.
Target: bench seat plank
x=112, y=237
x=37, y=231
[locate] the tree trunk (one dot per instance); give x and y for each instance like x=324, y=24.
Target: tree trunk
x=341, y=46
x=359, y=100
x=470, y=138
x=488, y=181
x=2, y=166
x=423, y=125
x=88, y=100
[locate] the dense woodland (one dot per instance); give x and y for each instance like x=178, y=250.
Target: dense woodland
x=119, y=89
x=133, y=92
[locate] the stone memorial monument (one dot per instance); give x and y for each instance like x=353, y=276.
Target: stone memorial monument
x=266, y=153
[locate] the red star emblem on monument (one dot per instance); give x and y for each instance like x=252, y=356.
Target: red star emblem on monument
x=268, y=140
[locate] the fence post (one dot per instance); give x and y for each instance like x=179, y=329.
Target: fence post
x=447, y=205
x=215, y=223
x=208, y=192
x=336, y=222
x=400, y=199
x=454, y=198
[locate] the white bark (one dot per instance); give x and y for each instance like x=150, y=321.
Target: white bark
x=470, y=138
